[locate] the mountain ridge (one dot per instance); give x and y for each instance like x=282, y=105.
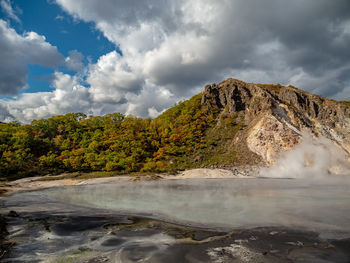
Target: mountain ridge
x=284, y=110
x=229, y=124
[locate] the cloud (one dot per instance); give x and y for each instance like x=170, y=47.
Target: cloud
x=5, y=116
x=69, y=95
x=16, y=51
x=74, y=61
x=59, y=17
x=112, y=77
x=151, y=101
x=176, y=47
x=184, y=44
x=8, y=10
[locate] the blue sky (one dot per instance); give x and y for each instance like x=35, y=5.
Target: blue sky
x=140, y=57
x=61, y=30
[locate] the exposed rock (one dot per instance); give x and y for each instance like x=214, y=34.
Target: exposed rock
x=276, y=116
x=13, y=214
x=269, y=137
x=154, y=177
x=3, y=232
x=205, y=173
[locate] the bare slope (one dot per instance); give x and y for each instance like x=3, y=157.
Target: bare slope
x=275, y=116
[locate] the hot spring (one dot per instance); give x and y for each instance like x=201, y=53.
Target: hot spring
x=218, y=205
x=223, y=203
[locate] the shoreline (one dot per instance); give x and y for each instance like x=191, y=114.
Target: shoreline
x=98, y=236
x=49, y=181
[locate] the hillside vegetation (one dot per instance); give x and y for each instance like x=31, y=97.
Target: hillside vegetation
x=232, y=123
x=75, y=142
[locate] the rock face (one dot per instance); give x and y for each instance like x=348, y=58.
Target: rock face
x=275, y=116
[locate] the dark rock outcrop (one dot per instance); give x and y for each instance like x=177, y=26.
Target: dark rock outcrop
x=3, y=232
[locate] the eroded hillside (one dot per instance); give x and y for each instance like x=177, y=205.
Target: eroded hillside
x=230, y=124
x=275, y=116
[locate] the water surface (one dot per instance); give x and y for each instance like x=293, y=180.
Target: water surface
x=200, y=220
x=319, y=206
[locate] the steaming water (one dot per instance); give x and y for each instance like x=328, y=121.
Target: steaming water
x=322, y=207
x=92, y=223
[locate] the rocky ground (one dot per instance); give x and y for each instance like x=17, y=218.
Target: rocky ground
x=3, y=233
x=42, y=182
x=204, y=173
x=78, y=234
x=107, y=238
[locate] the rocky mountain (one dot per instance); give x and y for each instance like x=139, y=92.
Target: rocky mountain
x=275, y=116
x=227, y=125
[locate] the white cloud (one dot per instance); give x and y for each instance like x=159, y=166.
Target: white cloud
x=111, y=77
x=175, y=47
x=182, y=44
x=151, y=101
x=7, y=8
x=68, y=96
x=5, y=116
x=74, y=61
x=59, y=17
x=16, y=51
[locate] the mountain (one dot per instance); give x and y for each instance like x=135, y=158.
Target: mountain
x=275, y=116
x=232, y=123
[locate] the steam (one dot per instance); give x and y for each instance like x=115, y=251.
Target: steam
x=313, y=158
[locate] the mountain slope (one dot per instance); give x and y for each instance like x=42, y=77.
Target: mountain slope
x=276, y=116
x=230, y=124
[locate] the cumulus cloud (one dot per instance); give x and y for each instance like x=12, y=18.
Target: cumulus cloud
x=16, y=51
x=111, y=77
x=68, y=96
x=5, y=116
x=176, y=47
x=183, y=44
x=151, y=101
x=9, y=11
x=75, y=60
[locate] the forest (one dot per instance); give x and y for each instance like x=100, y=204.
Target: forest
x=114, y=142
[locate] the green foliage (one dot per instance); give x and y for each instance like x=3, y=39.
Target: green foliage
x=111, y=143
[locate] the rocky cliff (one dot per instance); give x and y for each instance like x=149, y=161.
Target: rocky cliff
x=275, y=116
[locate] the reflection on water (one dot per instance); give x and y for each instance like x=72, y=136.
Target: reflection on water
x=322, y=207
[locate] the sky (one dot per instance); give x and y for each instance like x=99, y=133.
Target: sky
x=141, y=57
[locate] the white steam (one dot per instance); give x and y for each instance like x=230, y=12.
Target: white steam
x=313, y=158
